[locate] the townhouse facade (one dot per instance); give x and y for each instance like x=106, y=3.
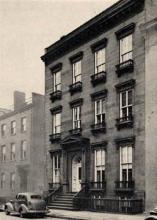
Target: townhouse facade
x=22, y=147
x=100, y=127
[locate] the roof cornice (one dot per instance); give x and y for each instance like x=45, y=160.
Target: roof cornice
x=94, y=27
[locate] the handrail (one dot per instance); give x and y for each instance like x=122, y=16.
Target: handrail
x=53, y=194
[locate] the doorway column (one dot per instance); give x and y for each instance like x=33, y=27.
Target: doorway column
x=84, y=179
x=64, y=171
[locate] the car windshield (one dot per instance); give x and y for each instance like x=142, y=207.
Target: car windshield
x=36, y=197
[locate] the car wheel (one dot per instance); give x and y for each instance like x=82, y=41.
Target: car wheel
x=21, y=214
x=7, y=211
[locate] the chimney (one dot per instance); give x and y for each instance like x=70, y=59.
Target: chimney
x=19, y=100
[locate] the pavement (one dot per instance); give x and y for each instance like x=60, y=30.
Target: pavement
x=84, y=215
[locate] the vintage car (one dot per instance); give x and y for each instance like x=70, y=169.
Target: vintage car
x=27, y=204
x=153, y=215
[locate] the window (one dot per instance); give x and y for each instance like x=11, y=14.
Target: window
x=57, y=123
x=56, y=168
x=126, y=104
x=77, y=71
x=23, y=124
x=126, y=48
x=76, y=111
x=3, y=130
x=100, y=61
x=126, y=163
x=99, y=111
x=99, y=165
x=12, y=153
x=13, y=127
x=3, y=153
x=23, y=150
x=12, y=181
x=2, y=180
x=57, y=81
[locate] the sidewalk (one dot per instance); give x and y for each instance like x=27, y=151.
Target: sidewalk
x=84, y=215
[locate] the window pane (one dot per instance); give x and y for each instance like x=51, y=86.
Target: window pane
x=130, y=154
x=123, y=99
x=130, y=97
x=124, y=112
x=126, y=48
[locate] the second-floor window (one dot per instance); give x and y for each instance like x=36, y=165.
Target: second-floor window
x=2, y=180
x=12, y=181
x=99, y=106
x=57, y=81
x=77, y=72
x=100, y=60
x=3, y=153
x=13, y=127
x=23, y=150
x=126, y=163
x=56, y=168
x=23, y=124
x=3, y=130
x=57, y=123
x=12, y=152
x=76, y=113
x=126, y=48
x=99, y=165
x=126, y=104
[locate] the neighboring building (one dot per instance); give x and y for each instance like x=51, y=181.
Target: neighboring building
x=101, y=109
x=22, y=157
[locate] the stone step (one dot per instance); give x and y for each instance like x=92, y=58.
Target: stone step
x=63, y=201
x=61, y=204
x=61, y=207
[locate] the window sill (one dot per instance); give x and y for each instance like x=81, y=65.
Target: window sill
x=124, y=186
x=57, y=95
x=76, y=87
x=126, y=122
x=55, y=137
x=76, y=131
x=98, y=78
x=98, y=128
x=125, y=67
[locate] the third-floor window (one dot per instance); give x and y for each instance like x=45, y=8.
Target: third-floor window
x=13, y=127
x=126, y=104
x=76, y=113
x=57, y=123
x=99, y=106
x=126, y=48
x=100, y=60
x=77, y=72
x=57, y=81
x=12, y=152
x=23, y=124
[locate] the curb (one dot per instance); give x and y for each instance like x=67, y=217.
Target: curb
x=65, y=217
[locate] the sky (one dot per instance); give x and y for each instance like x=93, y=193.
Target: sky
x=26, y=28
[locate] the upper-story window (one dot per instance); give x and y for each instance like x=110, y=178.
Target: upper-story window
x=3, y=130
x=77, y=71
x=23, y=124
x=126, y=48
x=99, y=107
x=57, y=81
x=12, y=152
x=3, y=153
x=126, y=103
x=100, y=61
x=76, y=112
x=2, y=180
x=13, y=127
x=23, y=150
x=57, y=123
x=99, y=165
x=12, y=181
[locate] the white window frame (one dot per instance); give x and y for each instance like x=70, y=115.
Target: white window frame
x=99, y=164
x=12, y=181
x=56, y=159
x=23, y=150
x=126, y=48
x=23, y=124
x=13, y=127
x=3, y=152
x=102, y=111
x=77, y=71
x=126, y=160
x=57, y=81
x=3, y=179
x=76, y=115
x=56, y=120
x=128, y=105
x=100, y=60
x=12, y=151
x=3, y=130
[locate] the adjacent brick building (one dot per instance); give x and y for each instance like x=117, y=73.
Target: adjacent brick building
x=22, y=160
x=100, y=85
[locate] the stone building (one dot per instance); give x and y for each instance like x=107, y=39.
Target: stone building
x=101, y=110
x=22, y=161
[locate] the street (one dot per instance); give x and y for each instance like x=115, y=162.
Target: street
x=3, y=216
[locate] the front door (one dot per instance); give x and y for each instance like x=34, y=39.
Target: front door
x=76, y=174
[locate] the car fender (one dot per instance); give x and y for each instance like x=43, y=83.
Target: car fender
x=23, y=207
x=9, y=206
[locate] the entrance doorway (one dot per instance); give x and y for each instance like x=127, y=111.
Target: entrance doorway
x=76, y=173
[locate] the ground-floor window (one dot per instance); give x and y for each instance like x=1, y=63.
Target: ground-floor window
x=99, y=165
x=56, y=168
x=12, y=181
